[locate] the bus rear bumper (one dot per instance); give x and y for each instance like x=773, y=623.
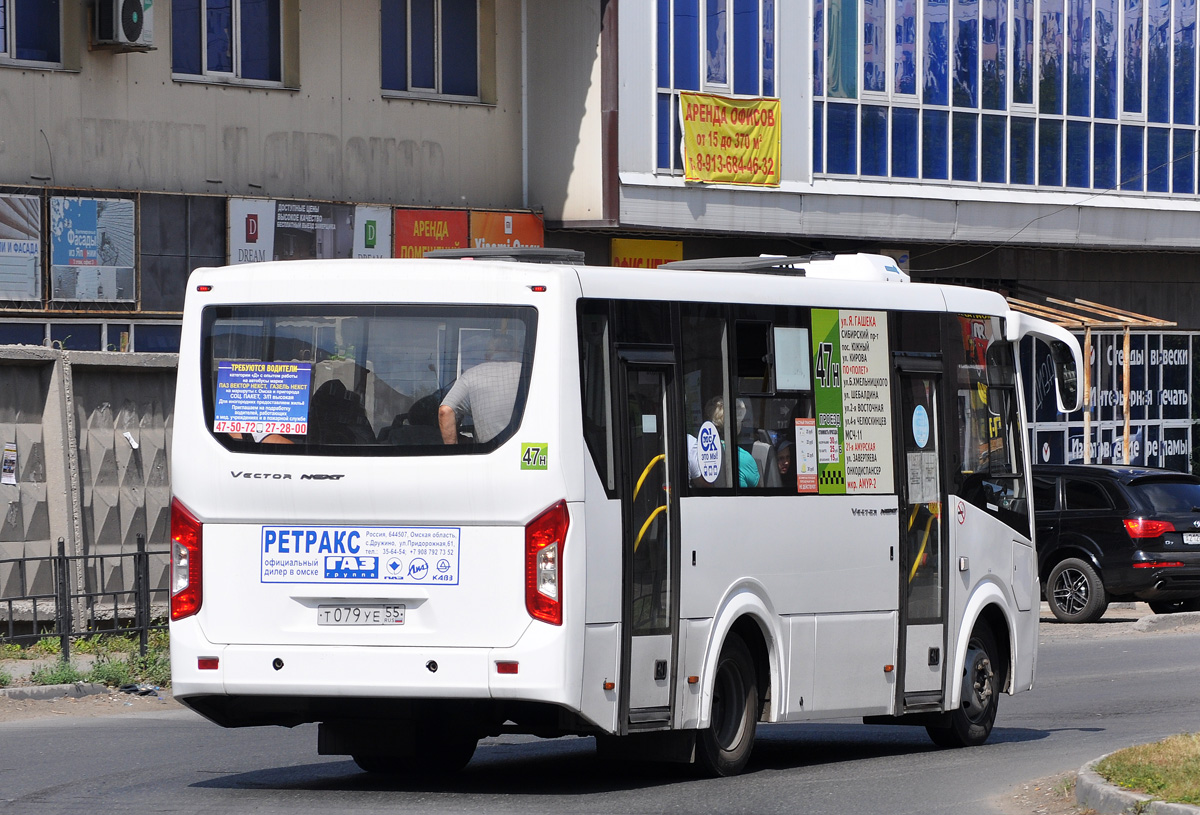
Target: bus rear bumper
x=320, y=682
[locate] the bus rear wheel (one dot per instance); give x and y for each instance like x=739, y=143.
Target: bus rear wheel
x=723, y=748
x=971, y=724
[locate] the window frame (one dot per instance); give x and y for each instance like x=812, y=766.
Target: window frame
x=10, y=29
x=437, y=92
x=287, y=44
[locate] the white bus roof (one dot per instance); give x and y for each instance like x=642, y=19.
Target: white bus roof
x=483, y=281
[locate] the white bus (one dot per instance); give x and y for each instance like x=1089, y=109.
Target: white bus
x=660, y=507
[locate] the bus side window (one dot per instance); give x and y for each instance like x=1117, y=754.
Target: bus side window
x=595, y=367
x=704, y=331
x=774, y=380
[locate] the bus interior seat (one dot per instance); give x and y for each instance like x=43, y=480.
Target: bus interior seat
x=768, y=464
x=399, y=432
x=337, y=416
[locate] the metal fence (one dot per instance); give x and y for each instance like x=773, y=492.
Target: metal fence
x=64, y=613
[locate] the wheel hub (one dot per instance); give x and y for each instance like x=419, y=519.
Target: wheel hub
x=978, y=683
x=1071, y=591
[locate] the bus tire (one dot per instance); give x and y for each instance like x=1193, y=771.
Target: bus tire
x=971, y=724
x=1075, y=592
x=723, y=748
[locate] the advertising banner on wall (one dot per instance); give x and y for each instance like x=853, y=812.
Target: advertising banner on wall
x=644, y=254
x=506, y=230
x=20, y=247
x=1160, y=413
x=421, y=230
x=730, y=141
x=92, y=250
x=262, y=229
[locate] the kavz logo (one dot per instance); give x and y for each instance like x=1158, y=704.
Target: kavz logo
x=351, y=567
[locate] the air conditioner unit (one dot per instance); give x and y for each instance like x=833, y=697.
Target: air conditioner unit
x=125, y=24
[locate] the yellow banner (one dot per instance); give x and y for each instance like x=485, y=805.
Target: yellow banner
x=645, y=254
x=730, y=141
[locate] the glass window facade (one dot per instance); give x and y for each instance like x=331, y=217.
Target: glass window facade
x=1053, y=94
x=725, y=47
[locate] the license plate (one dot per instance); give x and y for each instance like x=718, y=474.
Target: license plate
x=360, y=614
x=1192, y=538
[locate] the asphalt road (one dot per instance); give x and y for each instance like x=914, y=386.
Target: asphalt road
x=1100, y=688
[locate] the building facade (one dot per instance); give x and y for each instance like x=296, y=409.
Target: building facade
x=1040, y=147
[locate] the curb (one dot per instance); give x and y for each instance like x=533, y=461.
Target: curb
x=1093, y=792
x=74, y=691
x=1167, y=622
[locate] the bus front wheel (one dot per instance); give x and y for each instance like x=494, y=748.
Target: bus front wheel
x=971, y=724
x=723, y=748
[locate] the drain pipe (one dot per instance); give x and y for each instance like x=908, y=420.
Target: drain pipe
x=524, y=104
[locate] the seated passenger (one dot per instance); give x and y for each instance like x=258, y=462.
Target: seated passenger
x=487, y=392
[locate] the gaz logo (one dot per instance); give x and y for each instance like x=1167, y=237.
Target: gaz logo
x=351, y=567
x=533, y=456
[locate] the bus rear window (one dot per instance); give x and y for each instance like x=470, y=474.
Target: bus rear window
x=366, y=380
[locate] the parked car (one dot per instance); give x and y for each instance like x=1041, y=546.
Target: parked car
x=1111, y=533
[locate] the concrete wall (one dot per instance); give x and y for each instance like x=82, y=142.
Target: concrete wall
x=92, y=431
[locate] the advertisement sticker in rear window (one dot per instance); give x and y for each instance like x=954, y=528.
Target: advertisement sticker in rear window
x=424, y=555
x=262, y=397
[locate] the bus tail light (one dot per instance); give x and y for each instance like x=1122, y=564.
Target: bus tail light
x=545, y=536
x=186, y=587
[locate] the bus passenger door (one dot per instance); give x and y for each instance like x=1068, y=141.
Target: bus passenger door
x=650, y=603
x=923, y=561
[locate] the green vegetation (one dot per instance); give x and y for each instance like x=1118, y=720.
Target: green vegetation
x=60, y=673
x=117, y=661
x=45, y=647
x=1168, y=770
x=111, y=672
x=102, y=644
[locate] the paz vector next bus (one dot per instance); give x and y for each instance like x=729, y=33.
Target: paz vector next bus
x=422, y=502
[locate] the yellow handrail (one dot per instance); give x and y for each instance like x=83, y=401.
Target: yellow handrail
x=921, y=552
x=646, y=525
x=646, y=472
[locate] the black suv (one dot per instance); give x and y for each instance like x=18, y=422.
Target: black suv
x=1116, y=533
